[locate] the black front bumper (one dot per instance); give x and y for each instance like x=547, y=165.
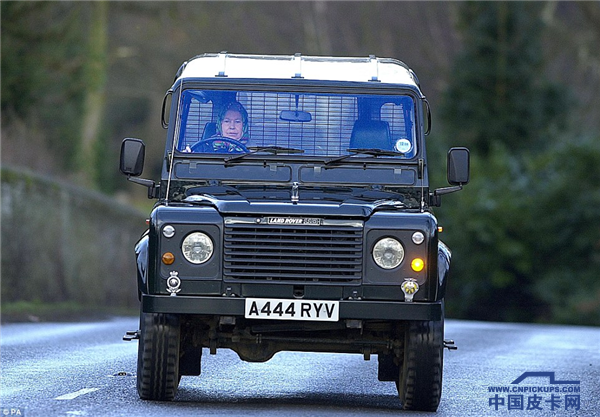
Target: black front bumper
x=349, y=309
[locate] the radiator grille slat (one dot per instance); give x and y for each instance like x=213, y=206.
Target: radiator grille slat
x=293, y=253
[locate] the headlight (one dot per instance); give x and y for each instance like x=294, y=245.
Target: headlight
x=388, y=253
x=197, y=247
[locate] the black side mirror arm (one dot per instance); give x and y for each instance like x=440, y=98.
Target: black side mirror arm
x=435, y=198
x=152, y=187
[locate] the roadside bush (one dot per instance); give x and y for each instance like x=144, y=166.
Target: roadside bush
x=525, y=235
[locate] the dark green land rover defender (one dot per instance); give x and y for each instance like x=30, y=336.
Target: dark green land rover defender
x=293, y=213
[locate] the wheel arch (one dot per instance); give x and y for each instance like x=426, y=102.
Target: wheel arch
x=141, y=260
x=443, y=269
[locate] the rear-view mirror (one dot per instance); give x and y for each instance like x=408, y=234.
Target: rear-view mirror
x=132, y=157
x=295, y=116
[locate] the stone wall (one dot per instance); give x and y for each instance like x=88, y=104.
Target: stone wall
x=63, y=243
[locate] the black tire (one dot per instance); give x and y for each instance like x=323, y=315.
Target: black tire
x=158, y=357
x=420, y=381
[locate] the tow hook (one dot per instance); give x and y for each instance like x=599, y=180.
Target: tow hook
x=449, y=344
x=131, y=335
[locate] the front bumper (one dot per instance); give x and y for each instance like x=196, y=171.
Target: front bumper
x=349, y=309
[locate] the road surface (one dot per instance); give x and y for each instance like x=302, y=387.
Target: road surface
x=85, y=369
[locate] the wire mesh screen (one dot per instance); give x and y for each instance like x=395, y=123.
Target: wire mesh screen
x=327, y=133
x=400, y=119
x=325, y=129
x=393, y=114
x=198, y=115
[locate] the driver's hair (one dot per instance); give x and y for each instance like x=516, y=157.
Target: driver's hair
x=234, y=105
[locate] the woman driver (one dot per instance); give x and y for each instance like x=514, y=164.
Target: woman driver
x=232, y=122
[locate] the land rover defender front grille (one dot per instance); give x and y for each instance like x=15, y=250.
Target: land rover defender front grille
x=293, y=249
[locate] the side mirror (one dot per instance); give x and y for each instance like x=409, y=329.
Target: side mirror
x=458, y=166
x=132, y=157
x=458, y=174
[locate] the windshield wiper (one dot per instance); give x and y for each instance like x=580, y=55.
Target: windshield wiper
x=366, y=151
x=272, y=149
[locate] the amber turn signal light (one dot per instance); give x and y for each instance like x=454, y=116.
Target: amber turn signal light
x=168, y=258
x=417, y=264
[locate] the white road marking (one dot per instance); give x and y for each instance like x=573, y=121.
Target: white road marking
x=76, y=394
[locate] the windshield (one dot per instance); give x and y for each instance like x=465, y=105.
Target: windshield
x=328, y=125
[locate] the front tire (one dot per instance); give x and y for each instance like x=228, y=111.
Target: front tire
x=420, y=381
x=158, y=356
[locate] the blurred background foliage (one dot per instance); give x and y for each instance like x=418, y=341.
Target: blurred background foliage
x=516, y=82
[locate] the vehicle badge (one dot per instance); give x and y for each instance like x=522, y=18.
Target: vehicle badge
x=174, y=283
x=295, y=193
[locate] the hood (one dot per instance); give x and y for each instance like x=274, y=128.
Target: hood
x=299, y=200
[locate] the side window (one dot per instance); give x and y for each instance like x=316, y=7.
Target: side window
x=400, y=117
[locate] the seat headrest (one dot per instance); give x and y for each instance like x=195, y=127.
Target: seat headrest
x=210, y=129
x=371, y=134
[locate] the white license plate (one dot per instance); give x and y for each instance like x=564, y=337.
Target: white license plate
x=276, y=309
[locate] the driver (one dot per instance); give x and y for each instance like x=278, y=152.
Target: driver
x=232, y=122
x=231, y=134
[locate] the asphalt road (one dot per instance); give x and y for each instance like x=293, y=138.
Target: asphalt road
x=84, y=369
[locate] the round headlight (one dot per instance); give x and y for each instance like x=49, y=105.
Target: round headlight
x=388, y=253
x=197, y=247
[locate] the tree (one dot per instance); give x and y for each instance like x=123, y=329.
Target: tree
x=520, y=230
x=42, y=80
x=95, y=69
x=498, y=92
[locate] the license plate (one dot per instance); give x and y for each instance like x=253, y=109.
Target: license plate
x=276, y=309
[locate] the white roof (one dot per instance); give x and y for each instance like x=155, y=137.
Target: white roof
x=366, y=69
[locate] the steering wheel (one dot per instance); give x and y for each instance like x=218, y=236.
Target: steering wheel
x=219, y=144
